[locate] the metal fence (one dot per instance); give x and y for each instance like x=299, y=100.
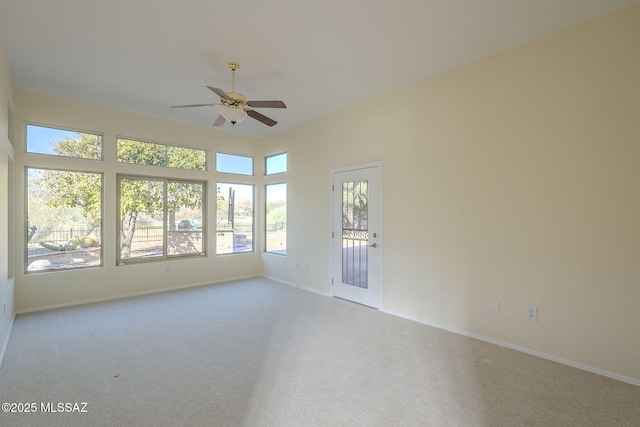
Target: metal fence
x=276, y=226
x=57, y=237
x=61, y=237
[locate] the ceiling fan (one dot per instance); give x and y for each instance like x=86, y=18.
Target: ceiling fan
x=236, y=106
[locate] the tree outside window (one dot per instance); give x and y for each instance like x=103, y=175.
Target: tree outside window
x=276, y=219
x=64, y=219
x=160, y=218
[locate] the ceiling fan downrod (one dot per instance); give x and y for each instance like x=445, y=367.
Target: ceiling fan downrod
x=233, y=66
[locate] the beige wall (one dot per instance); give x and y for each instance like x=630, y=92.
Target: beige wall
x=35, y=290
x=514, y=178
x=6, y=191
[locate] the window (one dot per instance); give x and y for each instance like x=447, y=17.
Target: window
x=60, y=142
x=276, y=218
x=231, y=163
x=276, y=164
x=64, y=226
x=155, y=154
x=234, y=217
x=160, y=218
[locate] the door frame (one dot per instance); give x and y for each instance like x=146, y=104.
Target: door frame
x=332, y=266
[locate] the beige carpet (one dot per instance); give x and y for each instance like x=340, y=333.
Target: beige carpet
x=259, y=353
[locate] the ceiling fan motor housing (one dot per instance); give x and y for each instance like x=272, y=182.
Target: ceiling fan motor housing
x=237, y=100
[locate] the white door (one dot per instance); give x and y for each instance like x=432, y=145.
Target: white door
x=356, y=235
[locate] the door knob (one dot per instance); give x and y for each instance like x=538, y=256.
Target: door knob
x=374, y=245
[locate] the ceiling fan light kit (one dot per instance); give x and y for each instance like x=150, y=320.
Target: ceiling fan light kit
x=236, y=106
x=233, y=115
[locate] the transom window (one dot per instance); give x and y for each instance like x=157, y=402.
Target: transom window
x=276, y=164
x=63, y=142
x=233, y=163
x=156, y=154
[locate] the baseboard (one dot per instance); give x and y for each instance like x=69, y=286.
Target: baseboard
x=6, y=340
x=133, y=294
x=295, y=285
x=594, y=370
x=536, y=353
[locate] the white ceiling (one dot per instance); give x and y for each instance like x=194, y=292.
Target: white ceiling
x=316, y=56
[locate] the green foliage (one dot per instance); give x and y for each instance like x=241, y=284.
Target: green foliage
x=184, y=194
x=141, y=195
x=276, y=213
x=55, y=189
x=87, y=242
x=222, y=207
x=44, y=218
x=68, y=247
x=186, y=158
x=149, y=153
x=83, y=242
x=86, y=147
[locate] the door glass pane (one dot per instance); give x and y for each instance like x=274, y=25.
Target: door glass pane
x=355, y=235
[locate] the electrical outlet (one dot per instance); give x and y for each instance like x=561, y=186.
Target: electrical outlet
x=495, y=306
x=532, y=313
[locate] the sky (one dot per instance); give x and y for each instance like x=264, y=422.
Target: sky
x=276, y=193
x=43, y=140
x=244, y=165
x=243, y=191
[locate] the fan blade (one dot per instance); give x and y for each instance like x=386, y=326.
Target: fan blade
x=261, y=118
x=194, y=105
x=220, y=92
x=219, y=121
x=266, y=104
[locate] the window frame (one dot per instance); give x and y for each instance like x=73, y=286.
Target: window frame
x=65, y=129
x=253, y=164
x=266, y=201
x=207, y=160
x=266, y=159
x=165, y=255
x=253, y=218
x=25, y=237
